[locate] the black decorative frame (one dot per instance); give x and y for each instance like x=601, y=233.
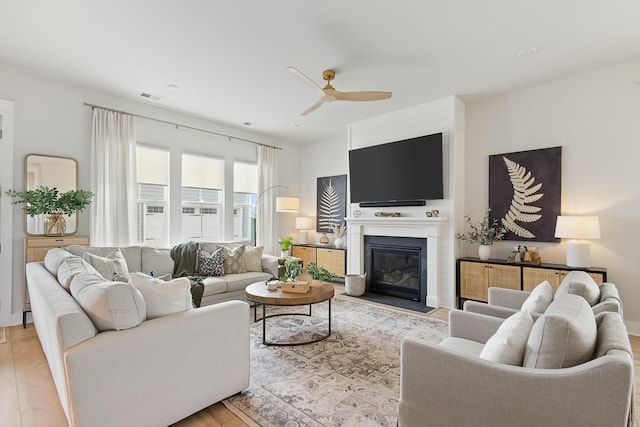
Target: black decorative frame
x=331, y=202
x=525, y=191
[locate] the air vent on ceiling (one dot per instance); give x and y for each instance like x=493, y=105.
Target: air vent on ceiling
x=147, y=95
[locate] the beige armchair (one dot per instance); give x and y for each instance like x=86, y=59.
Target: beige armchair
x=450, y=385
x=505, y=302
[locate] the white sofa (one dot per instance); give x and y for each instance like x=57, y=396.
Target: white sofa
x=153, y=374
x=148, y=259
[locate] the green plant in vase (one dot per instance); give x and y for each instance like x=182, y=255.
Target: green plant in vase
x=293, y=268
x=49, y=201
x=486, y=232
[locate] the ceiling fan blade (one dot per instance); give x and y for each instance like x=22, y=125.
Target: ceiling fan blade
x=361, y=96
x=306, y=79
x=314, y=107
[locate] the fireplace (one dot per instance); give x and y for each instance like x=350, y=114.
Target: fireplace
x=396, y=266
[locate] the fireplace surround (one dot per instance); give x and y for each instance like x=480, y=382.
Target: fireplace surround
x=416, y=227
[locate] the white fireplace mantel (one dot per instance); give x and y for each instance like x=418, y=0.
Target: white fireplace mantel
x=418, y=227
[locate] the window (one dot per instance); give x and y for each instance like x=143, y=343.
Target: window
x=202, y=184
x=245, y=189
x=152, y=167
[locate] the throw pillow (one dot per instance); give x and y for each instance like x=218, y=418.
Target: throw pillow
x=253, y=258
x=54, y=258
x=539, y=299
x=233, y=259
x=110, y=305
x=564, y=336
x=71, y=267
x=113, y=266
x=211, y=263
x=163, y=298
x=580, y=283
x=507, y=345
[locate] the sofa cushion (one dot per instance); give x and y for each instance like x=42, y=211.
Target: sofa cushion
x=237, y=282
x=539, y=299
x=211, y=263
x=233, y=259
x=580, y=283
x=110, y=305
x=132, y=254
x=54, y=258
x=214, y=286
x=253, y=258
x=564, y=336
x=163, y=297
x=112, y=266
x=157, y=261
x=70, y=268
x=507, y=345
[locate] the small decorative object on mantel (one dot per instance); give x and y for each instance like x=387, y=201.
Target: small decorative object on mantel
x=524, y=254
x=433, y=213
x=485, y=233
x=49, y=201
x=388, y=214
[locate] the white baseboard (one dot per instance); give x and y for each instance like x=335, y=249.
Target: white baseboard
x=633, y=328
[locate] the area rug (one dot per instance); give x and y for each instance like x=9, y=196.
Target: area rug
x=350, y=379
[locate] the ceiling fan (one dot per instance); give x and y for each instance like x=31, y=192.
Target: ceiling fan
x=329, y=94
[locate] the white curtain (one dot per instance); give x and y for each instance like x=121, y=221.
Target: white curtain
x=113, y=180
x=265, y=210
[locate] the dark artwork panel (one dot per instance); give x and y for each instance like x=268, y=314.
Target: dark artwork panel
x=331, y=202
x=524, y=193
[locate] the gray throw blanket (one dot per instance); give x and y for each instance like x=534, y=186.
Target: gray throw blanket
x=185, y=261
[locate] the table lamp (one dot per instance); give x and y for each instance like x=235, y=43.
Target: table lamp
x=304, y=224
x=578, y=228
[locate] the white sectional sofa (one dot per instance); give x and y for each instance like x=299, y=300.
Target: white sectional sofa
x=152, y=372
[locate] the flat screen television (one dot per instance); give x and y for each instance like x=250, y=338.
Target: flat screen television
x=397, y=172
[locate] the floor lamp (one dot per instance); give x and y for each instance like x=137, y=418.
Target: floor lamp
x=283, y=204
x=578, y=228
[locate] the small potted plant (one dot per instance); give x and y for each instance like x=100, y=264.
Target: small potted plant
x=293, y=269
x=49, y=201
x=485, y=232
x=319, y=273
x=285, y=245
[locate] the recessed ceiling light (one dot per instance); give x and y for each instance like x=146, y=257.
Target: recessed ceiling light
x=173, y=87
x=294, y=125
x=528, y=52
x=247, y=123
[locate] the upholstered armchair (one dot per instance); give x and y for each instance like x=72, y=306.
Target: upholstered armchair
x=450, y=384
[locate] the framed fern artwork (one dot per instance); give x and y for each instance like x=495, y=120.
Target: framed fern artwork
x=331, y=203
x=524, y=193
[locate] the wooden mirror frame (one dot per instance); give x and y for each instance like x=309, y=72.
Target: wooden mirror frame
x=62, y=173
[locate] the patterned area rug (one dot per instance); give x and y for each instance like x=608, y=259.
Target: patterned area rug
x=350, y=379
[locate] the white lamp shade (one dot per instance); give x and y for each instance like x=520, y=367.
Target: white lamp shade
x=578, y=227
x=287, y=204
x=304, y=223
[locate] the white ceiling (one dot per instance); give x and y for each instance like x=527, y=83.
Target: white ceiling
x=229, y=57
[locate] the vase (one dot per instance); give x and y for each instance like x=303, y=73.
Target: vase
x=55, y=224
x=484, y=252
x=324, y=239
x=285, y=254
x=339, y=242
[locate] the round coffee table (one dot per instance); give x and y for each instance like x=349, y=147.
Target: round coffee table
x=259, y=294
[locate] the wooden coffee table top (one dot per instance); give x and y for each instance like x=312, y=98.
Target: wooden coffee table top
x=259, y=293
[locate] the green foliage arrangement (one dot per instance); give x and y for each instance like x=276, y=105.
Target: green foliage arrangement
x=285, y=243
x=45, y=200
x=486, y=232
x=319, y=273
x=293, y=269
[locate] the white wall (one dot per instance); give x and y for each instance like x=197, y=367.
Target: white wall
x=50, y=119
x=595, y=117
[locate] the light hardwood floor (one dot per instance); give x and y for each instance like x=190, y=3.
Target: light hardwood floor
x=28, y=396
